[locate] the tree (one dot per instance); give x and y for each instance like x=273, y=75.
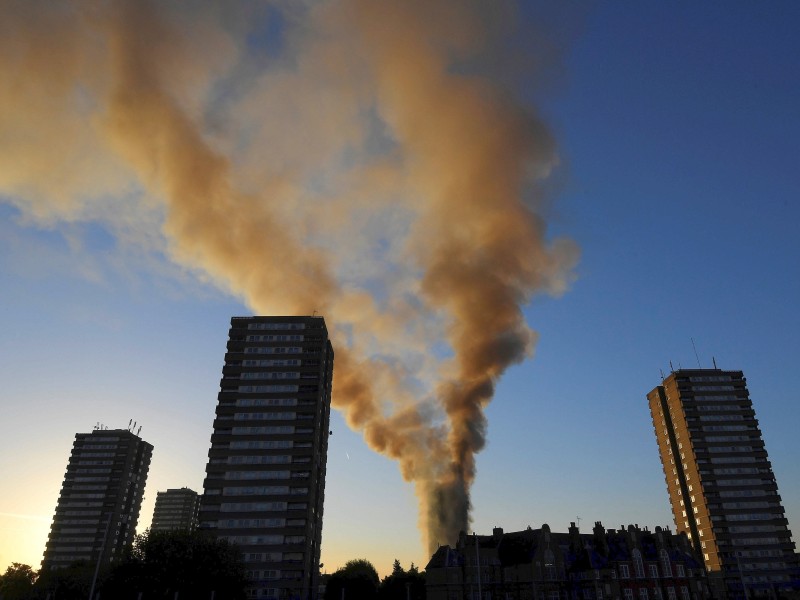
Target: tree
x=402, y=585
x=69, y=583
x=191, y=563
x=358, y=579
x=17, y=582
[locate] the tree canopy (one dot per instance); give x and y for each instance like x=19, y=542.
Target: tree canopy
x=358, y=579
x=192, y=563
x=17, y=582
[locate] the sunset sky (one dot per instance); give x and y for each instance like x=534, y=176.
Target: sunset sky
x=659, y=148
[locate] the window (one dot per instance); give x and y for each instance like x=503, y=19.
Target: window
x=681, y=571
x=549, y=564
x=638, y=565
x=653, y=571
x=657, y=593
x=628, y=593
x=671, y=593
x=666, y=566
x=624, y=572
x=643, y=594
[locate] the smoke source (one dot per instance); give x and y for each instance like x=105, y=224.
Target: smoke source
x=353, y=158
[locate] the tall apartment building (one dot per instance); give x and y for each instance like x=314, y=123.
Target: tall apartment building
x=721, y=486
x=100, y=499
x=265, y=478
x=176, y=509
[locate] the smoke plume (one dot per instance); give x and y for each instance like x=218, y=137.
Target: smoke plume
x=353, y=158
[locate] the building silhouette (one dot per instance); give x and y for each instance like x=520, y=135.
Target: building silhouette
x=721, y=486
x=537, y=564
x=265, y=478
x=98, y=508
x=176, y=509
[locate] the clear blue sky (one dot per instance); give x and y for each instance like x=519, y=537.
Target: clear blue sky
x=678, y=130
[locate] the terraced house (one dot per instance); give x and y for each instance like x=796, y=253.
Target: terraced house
x=538, y=564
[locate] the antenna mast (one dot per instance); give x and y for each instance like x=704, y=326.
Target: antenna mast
x=695, y=353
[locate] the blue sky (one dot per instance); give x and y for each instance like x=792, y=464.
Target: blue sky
x=679, y=136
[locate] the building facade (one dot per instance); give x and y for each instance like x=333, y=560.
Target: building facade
x=537, y=564
x=721, y=486
x=100, y=499
x=265, y=478
x=176, y=509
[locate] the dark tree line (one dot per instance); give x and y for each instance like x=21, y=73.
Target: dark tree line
x=358, y=580
x=158, y=565
x=193, y=564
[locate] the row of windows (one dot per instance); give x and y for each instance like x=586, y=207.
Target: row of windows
x=744, y=493
x=276, y=337
x=721, y=417
x=264, y=575
x=721, y=449
x=273, y=350
x=270, y=375
x=262, y=445
x=755, y=541
x=728, y=438
x=738, y=482
x=706, y=378
x=717, y=407
x=80, y=495
x=723, y=398
x=266, y=402
x=242, y=523
x=714, y=388
x=257, y=475
x=276, y=326
x=265, y=416
x=759, y=553
x=753, y=517
x=755, y=504
x=91, y=530
x=273, y=362
x=255, y=506
x=726, y=428
x=273, y=490
x=263, y=557
x=261, y=389
x=278, y=459
x=266, y=540
x=737, y=471
x=78, y=522
x=80, y=513
x=722, y=460
x=271, y=429
x=754, y=528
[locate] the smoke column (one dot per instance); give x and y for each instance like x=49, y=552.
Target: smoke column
x=358, y=160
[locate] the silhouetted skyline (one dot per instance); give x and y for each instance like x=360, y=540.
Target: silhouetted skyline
x=668, y=137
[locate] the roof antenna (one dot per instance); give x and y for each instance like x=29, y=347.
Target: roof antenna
x=714, y=360
x=695, y=353
x=662, y=374
x=671, y=368
x=138, y=431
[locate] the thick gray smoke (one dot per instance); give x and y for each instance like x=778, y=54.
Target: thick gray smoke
x=355, y=162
